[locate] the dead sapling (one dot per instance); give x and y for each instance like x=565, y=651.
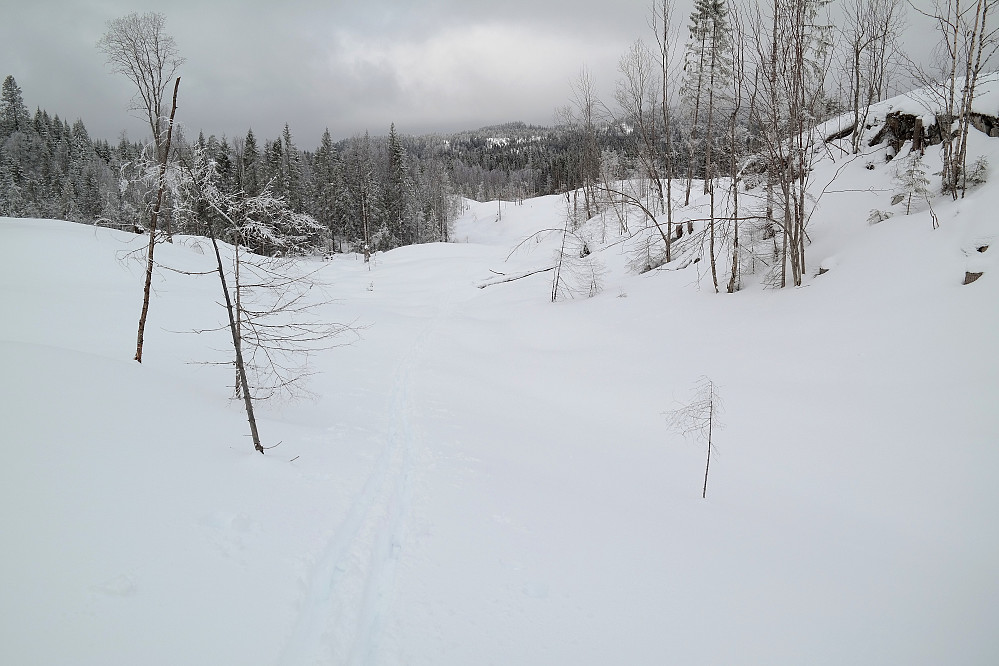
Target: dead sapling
x=698, y=419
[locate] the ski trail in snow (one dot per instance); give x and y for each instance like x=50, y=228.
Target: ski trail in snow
x=390, y=540
x=350, y=589
x=308, y=640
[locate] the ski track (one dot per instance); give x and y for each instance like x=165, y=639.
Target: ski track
x=339, y=623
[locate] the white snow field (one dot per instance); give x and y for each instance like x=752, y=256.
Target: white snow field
x=486, y=477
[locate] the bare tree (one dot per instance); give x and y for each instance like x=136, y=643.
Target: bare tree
x=643, y=96
x=872, y=51
x=699, y=418
x=792, y=57
x=708, y=68
x=982, y=43
x=666, y=41
x=268, y=300
x=138, y=47
x=577, y=270
x=737, y=134
x=968, y=41
x=584, y=116
x=638, y=97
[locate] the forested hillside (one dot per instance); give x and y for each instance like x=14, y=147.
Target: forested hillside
x=404, y=188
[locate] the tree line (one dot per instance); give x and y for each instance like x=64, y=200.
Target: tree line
x=364, y=191
x=404, y=189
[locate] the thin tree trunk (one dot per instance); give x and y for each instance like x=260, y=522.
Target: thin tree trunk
x=735, y=204
x=239, y=314
x=711, y=414
x=783, y=261
x=693, y=127
x=153, y=219
x=971, y=81
x=237, y=346
x=711, y=243
x=561, y=254
x=949, y=172
x=664, y=52
x=709, y=172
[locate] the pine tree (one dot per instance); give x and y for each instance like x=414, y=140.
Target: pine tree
x=326, y=181
x=911, y=176
x=394, y=191
x=225, y=166
x=250, y=165
x=14, y=116
x=291, y=172
x=707, y=69
x=11, y=199
x=272, y=161
x=360, y=200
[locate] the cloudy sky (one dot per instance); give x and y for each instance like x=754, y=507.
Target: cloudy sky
x=350, y=65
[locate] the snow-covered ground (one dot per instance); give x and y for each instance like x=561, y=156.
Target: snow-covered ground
x=487, y=478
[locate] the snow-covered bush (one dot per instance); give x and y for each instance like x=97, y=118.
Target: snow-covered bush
x=978, y=174
x=878, y=216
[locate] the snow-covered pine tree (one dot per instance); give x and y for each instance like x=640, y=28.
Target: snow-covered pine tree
x=291, y=172
x=911, y=177
x=394, y=191
x=326, y=181
x=14, y=116
x=249, y=165
x=707, y=70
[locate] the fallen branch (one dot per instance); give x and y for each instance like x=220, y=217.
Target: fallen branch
x=516, y=277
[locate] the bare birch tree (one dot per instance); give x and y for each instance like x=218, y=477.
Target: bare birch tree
x=584, y=115
x=869, y=36
x=666, y=41
x=638, y=97
x=737, y=135
x=792, y=55
x=968, y=41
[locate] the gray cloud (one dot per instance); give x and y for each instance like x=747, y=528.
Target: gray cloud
x=351, y=66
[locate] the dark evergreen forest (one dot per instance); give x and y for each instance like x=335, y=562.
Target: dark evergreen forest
x=402, y=189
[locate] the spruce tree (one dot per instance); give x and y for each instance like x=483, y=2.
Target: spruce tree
x=911, y=176
x=395, y=189
x=326, y=182
x=14, y=116
x=707, y=69
x=291, y=172
x=250, y=165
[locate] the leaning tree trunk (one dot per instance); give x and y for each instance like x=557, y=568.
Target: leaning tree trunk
x=153, y=219
x=237, y=346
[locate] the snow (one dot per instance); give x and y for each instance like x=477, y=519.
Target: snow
x=486, y=477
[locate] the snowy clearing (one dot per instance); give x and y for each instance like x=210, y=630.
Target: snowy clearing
x=487, y=478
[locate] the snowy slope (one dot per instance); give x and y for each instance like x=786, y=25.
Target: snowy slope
x=486, y=477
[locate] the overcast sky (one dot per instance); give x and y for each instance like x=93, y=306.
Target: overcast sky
x=350, y=65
